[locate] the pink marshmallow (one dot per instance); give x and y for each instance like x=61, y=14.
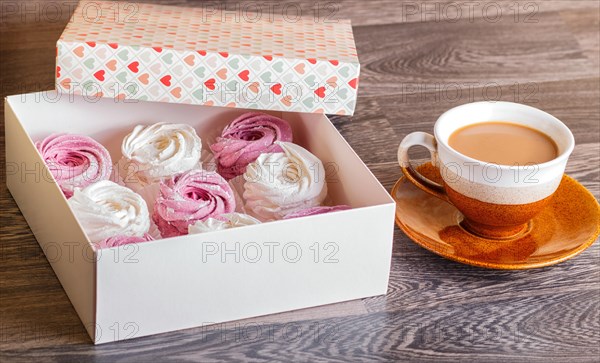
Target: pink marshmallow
x=123, y=240
x=75, y=161
x=244, y=139
x=315, y=210
x=189, y=197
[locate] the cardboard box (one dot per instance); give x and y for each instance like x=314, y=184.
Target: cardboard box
x=194, y=280
x=123, y=64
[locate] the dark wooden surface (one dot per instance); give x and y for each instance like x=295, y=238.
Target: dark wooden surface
x=416, y=63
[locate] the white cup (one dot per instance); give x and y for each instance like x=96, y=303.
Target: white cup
x=496, y=200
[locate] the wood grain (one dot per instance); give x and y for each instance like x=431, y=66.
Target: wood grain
x=408, y=58
x=584, y=24
x=435, y=310
x=376, y=140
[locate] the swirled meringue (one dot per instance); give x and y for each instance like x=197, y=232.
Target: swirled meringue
x=224, y=221
x=75, y=161
x=106, y=209
x=278, y=184
x=159, y=151
x=245, y=138
x=315, y=210
x=123, y=240
x=189, y=197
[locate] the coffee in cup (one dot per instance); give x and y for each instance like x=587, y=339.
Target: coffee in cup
x=500, y=163
x=503, y=143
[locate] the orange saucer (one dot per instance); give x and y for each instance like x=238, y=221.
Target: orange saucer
x=564, y=229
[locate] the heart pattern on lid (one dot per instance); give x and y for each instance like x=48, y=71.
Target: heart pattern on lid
x=210, y=65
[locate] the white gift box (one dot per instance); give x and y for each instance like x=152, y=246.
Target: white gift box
x=124, y=64
x=137, y=290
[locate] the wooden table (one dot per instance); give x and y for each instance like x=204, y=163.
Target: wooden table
x=418, y=59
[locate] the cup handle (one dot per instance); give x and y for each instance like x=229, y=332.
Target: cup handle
x=428, y=141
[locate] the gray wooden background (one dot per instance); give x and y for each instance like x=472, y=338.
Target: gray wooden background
x=419, y=58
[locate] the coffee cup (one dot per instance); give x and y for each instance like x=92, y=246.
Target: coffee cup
x=497, y=201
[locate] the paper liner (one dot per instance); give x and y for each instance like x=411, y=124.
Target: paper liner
x=237, y=185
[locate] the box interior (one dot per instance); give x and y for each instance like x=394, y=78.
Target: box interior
x=108, y=121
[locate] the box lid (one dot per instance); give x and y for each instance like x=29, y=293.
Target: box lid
x=208, y=56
